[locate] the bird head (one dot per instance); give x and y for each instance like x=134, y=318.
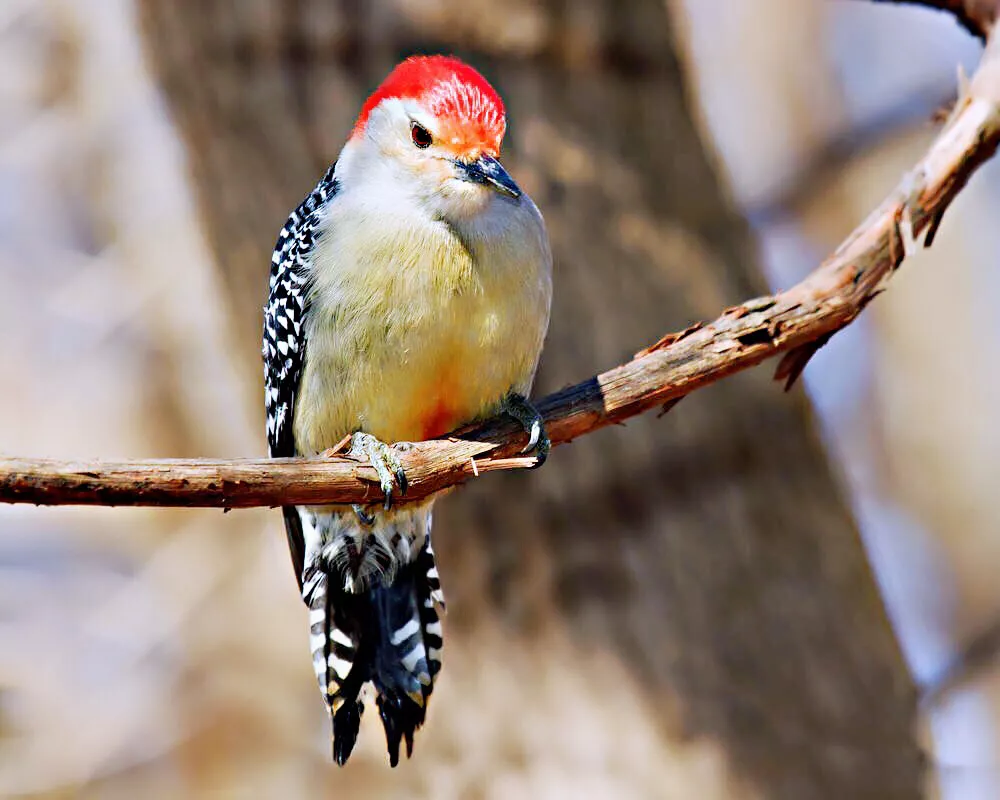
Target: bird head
x=434, y=129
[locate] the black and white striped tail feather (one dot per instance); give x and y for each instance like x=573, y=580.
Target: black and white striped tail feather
x=389, y=634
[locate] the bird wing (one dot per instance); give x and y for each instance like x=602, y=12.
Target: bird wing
x=284, y=346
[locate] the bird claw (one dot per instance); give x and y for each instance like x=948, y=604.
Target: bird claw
x=401, y=480
x=364, y=517
x=527, y=416
x=386, y=463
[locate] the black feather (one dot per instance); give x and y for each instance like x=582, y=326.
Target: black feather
x=284, y=341
x=373, y=618
x=346, y=724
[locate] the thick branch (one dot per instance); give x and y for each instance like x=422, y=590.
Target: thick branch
x=796, y=323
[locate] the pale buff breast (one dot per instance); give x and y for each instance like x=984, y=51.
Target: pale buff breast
x=417, y=327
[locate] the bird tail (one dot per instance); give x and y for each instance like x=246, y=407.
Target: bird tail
x=389, y=634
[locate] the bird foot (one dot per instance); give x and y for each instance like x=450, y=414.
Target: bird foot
x=386, y=463
x=520, y=408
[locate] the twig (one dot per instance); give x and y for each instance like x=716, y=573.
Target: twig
x=793, y=323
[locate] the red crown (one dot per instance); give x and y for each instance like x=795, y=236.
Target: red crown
x=470, y=112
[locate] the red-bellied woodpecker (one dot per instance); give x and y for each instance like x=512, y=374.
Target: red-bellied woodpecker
x=409, y=294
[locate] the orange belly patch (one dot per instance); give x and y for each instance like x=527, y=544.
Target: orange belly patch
x=439, y=420
x=444, y=407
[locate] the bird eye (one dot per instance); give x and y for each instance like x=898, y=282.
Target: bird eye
x=421, y=136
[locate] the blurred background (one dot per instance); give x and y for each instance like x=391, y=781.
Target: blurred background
x=759, y=595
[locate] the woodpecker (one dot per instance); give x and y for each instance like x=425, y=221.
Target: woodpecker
x=409, y=294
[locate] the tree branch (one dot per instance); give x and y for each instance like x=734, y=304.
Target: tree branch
x=976, y=16
x=795, y=323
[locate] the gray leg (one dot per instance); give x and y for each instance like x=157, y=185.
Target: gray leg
x=521, y=409
x=386, y=463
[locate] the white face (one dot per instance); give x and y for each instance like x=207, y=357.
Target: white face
x=406, y=150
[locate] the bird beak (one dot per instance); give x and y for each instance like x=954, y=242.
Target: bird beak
x=489, y=172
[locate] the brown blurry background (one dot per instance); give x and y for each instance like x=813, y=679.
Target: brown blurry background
x=678, y=608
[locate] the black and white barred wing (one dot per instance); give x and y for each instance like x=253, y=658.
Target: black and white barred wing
x=284, y=335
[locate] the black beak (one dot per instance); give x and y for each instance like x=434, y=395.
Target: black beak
x=489, y=172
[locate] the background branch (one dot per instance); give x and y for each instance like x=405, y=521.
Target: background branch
x=795, y=323
x=976, y=16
